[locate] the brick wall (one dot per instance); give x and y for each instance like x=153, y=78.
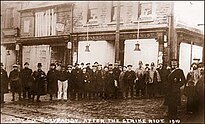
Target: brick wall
x=128, y=14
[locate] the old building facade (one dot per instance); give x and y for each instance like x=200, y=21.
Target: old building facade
x=75, y=32
x=10, y=25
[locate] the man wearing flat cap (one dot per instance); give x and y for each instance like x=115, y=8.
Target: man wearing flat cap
x=4, y=83
x=27, y=81
x=39, y=87
x=15, y=82
x=176, y=79
x=129, y=80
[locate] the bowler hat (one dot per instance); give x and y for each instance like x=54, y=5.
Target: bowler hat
x=26, y=63
x=129, y=65
x=200, y=64
x=39, y=65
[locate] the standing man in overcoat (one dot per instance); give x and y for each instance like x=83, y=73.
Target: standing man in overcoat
x=39, y=85
x=4, y=83
x=52, y=79
x=176, y=79
x=15, y=82
x=26, y=80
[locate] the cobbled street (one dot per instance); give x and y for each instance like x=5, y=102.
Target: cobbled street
x=78, y=111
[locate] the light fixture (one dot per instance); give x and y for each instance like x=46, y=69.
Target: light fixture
x=17, y=47
x=137, y=45
x=69, y=45
x=87, y=48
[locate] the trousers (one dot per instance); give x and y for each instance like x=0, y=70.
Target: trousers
x=62, y=89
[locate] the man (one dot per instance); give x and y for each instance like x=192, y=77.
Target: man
x=88, y=69
x=109, y=83
x=27, y=81
x=77, y=72
x=4, y=83
x=163, y=73
x=176, y=79
x=94, y=81
x=81, y=66
x=39, y=87
x=140, y=80
x=62, y=79
x=116, y=72
x=15, y=82
x=153, y=79
x=70, y=82
x=100, y=80
x=199, y=100
x=52, y=86
x=192, y=78
x=58, y=66
x=122, y=84
x=129, y=80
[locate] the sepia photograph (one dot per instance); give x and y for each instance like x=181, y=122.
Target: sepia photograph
x=102, y=62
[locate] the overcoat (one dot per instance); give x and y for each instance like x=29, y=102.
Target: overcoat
x=39, y=86
x=15, y=81
x=176, y=79
x=52, y=86
x=109, y=83
x=26, y=77
x=4, y=81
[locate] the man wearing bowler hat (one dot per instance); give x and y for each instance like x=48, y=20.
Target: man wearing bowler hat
x=26, y=80
x=176, y=79
x=39, y=87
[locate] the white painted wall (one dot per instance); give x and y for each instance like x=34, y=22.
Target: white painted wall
x=101, y=51
x=148, y=53
x=185, y=56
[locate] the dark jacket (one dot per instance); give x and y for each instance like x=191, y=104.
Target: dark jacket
x=109, y=83
x=176, y=79
x=129, y=77
x=15, y=81
x=77, y=72
x=62, y=75
x=4, y=81
x=116, y=72
x=39, y=86
x=52, y=78
x=26, y=77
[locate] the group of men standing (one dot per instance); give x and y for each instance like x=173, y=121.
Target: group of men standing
x=97, y=82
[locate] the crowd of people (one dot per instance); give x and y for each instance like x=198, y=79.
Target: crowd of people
x=109, y=82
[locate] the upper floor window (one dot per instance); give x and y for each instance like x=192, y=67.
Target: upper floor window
x=114, y=12
x=8, y=19
x=145, y=11
x=45, y=23
x=92, y=12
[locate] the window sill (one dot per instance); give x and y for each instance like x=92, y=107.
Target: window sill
x=114, y=23
x=144, y=19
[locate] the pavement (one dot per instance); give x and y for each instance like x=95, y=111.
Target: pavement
x=92, y=111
